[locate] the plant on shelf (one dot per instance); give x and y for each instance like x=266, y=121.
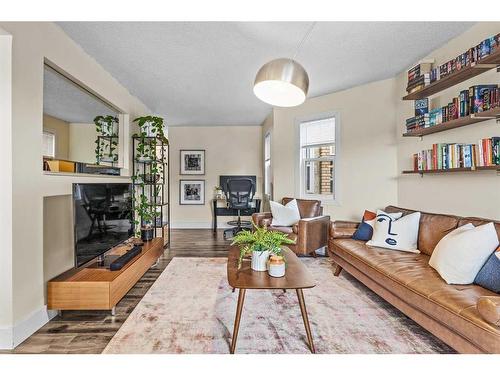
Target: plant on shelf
x=260, y=243
x=151, y=126
x=106, y=128
x=145, y=215
x=106, y=125
x=99, y=151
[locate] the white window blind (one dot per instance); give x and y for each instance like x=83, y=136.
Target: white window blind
x=49, y=144
x=317, y=158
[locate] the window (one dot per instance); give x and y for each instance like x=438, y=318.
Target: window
x=49, y=144
x=267, y=166
x=317, y=158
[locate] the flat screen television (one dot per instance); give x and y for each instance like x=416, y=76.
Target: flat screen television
x=102, y=218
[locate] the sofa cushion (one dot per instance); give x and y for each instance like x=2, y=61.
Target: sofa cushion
x=410, y=278
x=433, y=227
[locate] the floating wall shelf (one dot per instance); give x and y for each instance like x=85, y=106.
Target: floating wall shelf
x=459, y=76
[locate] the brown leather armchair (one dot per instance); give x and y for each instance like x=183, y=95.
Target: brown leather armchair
x=310, y=233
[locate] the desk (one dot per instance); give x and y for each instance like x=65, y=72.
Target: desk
x=220, y=209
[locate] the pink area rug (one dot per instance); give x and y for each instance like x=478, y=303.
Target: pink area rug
x=191, y=309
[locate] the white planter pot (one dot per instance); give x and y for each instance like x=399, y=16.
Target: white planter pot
x=148, y=129
x=259, y=260
x=109, y=129
x=277, y=270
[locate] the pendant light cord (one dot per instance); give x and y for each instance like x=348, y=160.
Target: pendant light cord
x=306, y=36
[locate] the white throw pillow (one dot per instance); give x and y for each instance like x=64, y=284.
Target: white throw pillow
x=285, y=216
x=460, y=254
x=396, y=234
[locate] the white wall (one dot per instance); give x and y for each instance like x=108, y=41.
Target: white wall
x=467, y=194
x=366, y=156
x=6, y=190
x=229, y=150
x=32, y=42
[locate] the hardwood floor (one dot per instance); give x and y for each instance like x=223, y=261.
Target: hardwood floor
x=90, y=331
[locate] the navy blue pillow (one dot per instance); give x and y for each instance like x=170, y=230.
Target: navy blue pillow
x=489, y=275
x=364, y=232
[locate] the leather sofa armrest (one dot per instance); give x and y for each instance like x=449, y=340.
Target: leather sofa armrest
x=312, y=233
x=489, y=309
x=262, y=219
x=343, y=229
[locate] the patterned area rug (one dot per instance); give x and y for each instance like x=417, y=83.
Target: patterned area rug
x=191, y=309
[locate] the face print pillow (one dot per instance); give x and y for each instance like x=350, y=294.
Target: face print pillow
x=396, y=234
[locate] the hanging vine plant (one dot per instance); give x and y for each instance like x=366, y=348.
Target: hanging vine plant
x=106, y=125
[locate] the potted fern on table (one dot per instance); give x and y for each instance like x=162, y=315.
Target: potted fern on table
x=260, y=244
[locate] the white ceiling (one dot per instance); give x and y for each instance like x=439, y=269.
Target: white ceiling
x=201, y=73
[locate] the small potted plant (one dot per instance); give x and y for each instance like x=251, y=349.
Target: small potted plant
x=260, y=244
x=219, y=194
x=146, y=215
x=106, y=125
x=151, y=126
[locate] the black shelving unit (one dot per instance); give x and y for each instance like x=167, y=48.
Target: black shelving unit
x=156, y=189
x=106, y=141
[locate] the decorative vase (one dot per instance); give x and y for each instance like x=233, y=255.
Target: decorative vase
x=259, y=260
x=276, y=266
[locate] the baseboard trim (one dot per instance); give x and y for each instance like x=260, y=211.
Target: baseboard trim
x=6, y=338
x=10, y=337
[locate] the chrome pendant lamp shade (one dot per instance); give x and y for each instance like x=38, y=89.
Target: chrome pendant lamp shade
x=282, y=83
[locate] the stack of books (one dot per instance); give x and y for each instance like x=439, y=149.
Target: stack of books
x=421, y=118
x=419, y=76
x=476, y=99
x=470, y=57
x=444, y=156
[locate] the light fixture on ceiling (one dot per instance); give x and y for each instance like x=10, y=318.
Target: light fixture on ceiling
x=283, y=82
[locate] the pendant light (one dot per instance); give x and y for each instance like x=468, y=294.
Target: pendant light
x=283, y=82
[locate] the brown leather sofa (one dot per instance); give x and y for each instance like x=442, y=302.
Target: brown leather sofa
x=310, y=233
x=466, y=317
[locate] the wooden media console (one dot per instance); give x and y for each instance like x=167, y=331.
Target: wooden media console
x=95, y=287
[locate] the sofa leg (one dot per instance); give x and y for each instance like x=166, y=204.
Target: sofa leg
x=337, y=271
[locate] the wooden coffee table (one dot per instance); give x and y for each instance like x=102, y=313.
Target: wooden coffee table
x=297, y=277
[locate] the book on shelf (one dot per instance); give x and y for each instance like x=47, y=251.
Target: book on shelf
x=421, y=106
x=444, y=156
x=424, y=73
x=477, y=98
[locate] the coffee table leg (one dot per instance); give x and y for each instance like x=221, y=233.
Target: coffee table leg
x=303, y=310
x=239, y=308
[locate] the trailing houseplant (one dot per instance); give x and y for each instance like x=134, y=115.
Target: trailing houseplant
x=144, y=220
x=106, y=125
x=151, y=126
x=260, y=243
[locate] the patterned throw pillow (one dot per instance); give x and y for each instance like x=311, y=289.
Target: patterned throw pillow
x=489, y=275
x=396, y=234
x=365, y=229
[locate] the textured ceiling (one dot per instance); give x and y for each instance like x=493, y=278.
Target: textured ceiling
x=201, y=73
x=65, y=101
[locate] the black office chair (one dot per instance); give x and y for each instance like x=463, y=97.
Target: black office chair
x=239, y=195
